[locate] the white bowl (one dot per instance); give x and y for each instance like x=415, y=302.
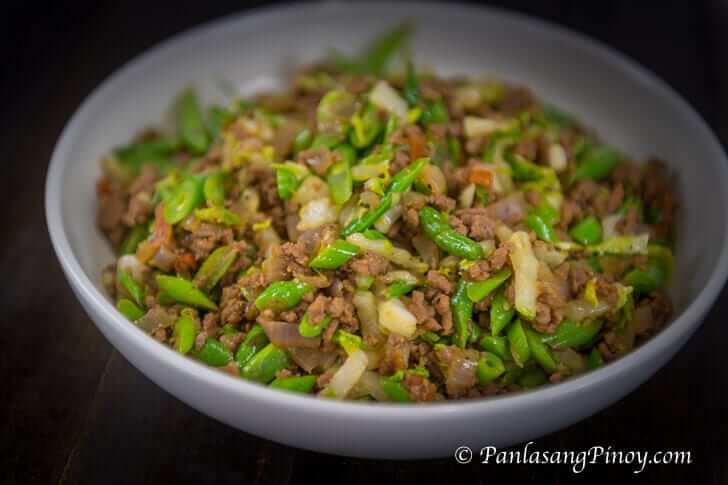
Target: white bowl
x=628, y=106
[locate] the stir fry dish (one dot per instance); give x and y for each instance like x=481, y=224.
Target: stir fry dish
x=377, y=232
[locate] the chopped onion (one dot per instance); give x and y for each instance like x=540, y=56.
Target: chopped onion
x=394, y=317
x=310, y=189
x=427, y=249
x=374, y=356
x=503, y=232
x=467, y=97
x=133, y=266
x=369, y=385
x=460, y=375
x=549, y=255
x=609, y=225
x=578, y=310
x=475, y=126
x=399, y=275
x=348, y=211
x=347, y=376
x=286, y=335
x=488, y=246
x=366, y=310
x=407, y=260
x=557, y=157
x=502, y=180
x=312, y=360
x=274, y=266
x=622, y=245
x=382, y=247
x=555, y=199
x=265, y=239
x=432, y=177
x=510, y=209
x=316, y=213
x=385, y=222
x=525, y=268
x=467, y=196
x=292, y=221
x=552, y=284
x=164, y=258
x=414, y=199
x=385, y=97
x=156, y=317
x=364, y=172
x=571, y=359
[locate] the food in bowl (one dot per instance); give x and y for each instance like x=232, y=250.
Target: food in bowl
x=395, y=236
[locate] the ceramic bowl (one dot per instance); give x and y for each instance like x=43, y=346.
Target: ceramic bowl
x=628, y=106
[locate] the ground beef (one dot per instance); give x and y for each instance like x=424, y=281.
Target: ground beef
x=396, y=355
x=328, y=335
x=437, y=280
x=317, y=310
x=515, y=100
x=441, y=303
x=570, y=212
x=414, y=142
x=209, y=328
x=510, y=292
x=290, y=316
x=420, y=388
x=232, y=307
x=457, y=178
x=160, y=335
x=616, y=197
x=458, y=225
x=661, y=307
x=630, y=223
x=579, y=274
x=205, y=238
x=549, y=312
x=232, y=341
x=411, y=218
x=423, y=311
x=527, y=147
x=145, y=181
x=627, y=174
x=359, y=84
x=287, y=259
x=401, y=160
x=479, y=270
x=140, y=207
x=584, y=191
x=324, y=379
x=442, y=202
x=532, y=197
x=369, y=264
x=480, y=224
x=499, y=257
x=112, y=205
x=139, y=210
x=342, y=309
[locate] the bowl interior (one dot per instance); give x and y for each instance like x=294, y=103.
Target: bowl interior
x=626, y=108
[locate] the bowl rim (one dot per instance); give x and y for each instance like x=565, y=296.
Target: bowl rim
x=680, y=328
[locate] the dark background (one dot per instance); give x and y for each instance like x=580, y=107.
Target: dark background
x=72, y=410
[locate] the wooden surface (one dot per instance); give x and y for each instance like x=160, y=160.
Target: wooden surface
x=72, y=410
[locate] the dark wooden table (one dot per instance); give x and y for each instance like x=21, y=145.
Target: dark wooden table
x=72, y=410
